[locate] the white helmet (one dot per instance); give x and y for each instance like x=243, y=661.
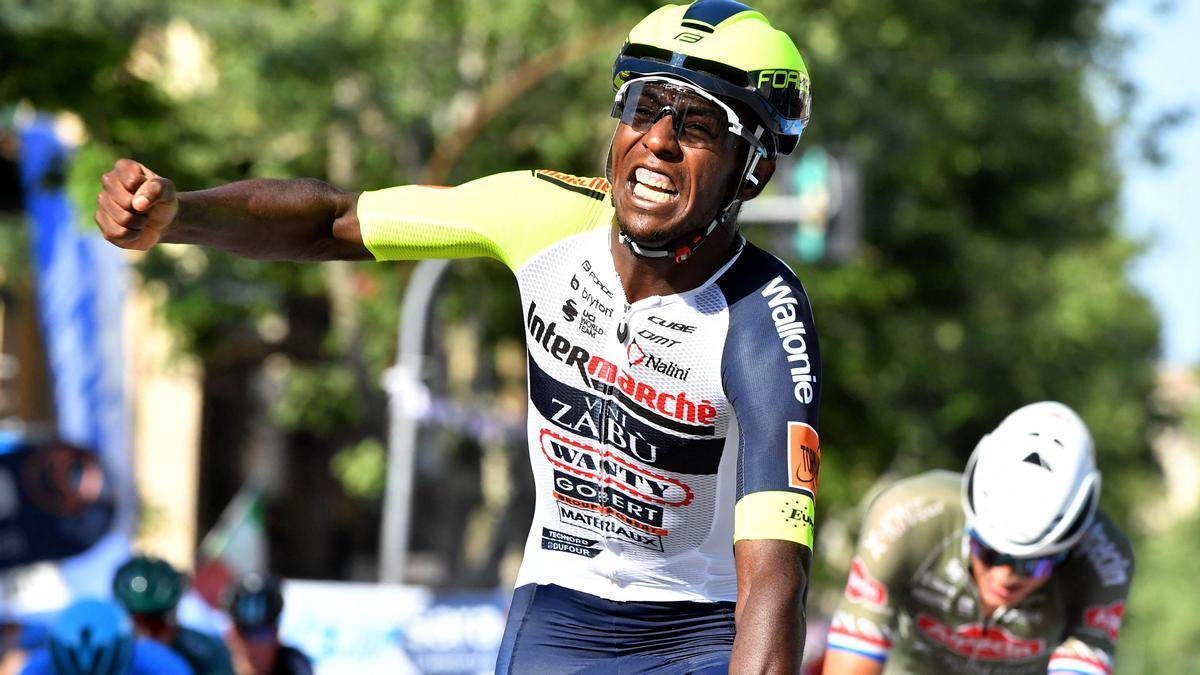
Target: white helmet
x=1031, y=487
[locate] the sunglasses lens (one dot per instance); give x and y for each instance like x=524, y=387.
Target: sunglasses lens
x=697, y=122
x=1031, y=568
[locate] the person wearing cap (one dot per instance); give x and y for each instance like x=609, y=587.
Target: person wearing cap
x=149, y=588
x=96, y=637
x=1010, y=567
x=256, y=604
x=674, y=368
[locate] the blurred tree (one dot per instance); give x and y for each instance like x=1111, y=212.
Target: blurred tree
x=992, y=272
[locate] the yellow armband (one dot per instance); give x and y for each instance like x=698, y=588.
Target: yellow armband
x=788, y=516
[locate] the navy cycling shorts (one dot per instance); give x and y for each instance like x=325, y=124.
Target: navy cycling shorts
x=552, y=629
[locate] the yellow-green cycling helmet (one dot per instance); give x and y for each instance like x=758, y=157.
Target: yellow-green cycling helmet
x=729, y=50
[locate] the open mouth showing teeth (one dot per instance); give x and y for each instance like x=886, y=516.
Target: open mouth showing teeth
x=653, y=186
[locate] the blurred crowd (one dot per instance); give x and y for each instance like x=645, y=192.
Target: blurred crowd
x=138, y=631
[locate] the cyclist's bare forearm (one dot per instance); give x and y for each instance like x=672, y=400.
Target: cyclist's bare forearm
x=302, y=219
x=772, y=577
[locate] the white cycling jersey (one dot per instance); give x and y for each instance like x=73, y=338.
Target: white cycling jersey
x=660, y=431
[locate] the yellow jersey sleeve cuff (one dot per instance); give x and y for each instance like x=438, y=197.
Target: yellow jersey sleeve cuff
x=787, y=516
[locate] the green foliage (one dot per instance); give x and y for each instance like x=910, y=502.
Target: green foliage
x=362, y=469
x=318, y=399
x=1160, y=633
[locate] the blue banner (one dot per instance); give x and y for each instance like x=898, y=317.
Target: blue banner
x=81, y=286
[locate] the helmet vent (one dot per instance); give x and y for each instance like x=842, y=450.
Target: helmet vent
x=1035, y=458
x=696, y=25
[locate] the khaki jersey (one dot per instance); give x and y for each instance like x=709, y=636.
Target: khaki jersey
x=911, y=600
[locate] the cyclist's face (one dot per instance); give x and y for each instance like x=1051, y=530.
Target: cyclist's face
x=671, y=176
x=1000, y=586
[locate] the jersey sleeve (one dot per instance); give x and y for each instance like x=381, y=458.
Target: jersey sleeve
x=900, y=529
x=1103, y=568
x=507, y=216
x=771, y=373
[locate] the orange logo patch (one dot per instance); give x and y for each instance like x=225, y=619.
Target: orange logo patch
x=804, y=457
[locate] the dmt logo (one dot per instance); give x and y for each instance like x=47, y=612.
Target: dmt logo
x=804, y=457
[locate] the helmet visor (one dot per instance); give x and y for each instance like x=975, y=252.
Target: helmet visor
x=699, y=119
x=1031, y=568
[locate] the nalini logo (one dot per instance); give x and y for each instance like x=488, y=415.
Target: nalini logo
x=569, y=310
x=635, y=354
x=791, y=332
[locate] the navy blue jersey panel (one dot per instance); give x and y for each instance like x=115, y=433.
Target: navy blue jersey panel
x=770, y=369
x=713, y=12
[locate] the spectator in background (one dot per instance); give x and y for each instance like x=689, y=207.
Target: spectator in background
x=255, y=605
x=150, y=589
x=96, y=637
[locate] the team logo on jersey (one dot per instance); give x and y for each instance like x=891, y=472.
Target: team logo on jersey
x=604, y=468
x=861, y=587
x=607, y=501
x=672, y=325
x=792, y=337
x=989, y=644
x=635, y=353
x=594, y=417
x=804, y=457
x=1106, y=619
x=553, y=540
x=639, y=357
x=569, y=310
x=610, y=528
x=587, y=267
x=672, y=411
x=656, y=339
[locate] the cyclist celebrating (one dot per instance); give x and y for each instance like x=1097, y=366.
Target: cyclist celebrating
x=1008, y=568
x=150, y=588
x=674, y=368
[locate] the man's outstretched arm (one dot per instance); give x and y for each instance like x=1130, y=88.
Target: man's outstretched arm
x=302, y=219
x=772, y=578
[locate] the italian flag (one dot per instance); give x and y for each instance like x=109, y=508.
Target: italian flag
x=236, y=545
